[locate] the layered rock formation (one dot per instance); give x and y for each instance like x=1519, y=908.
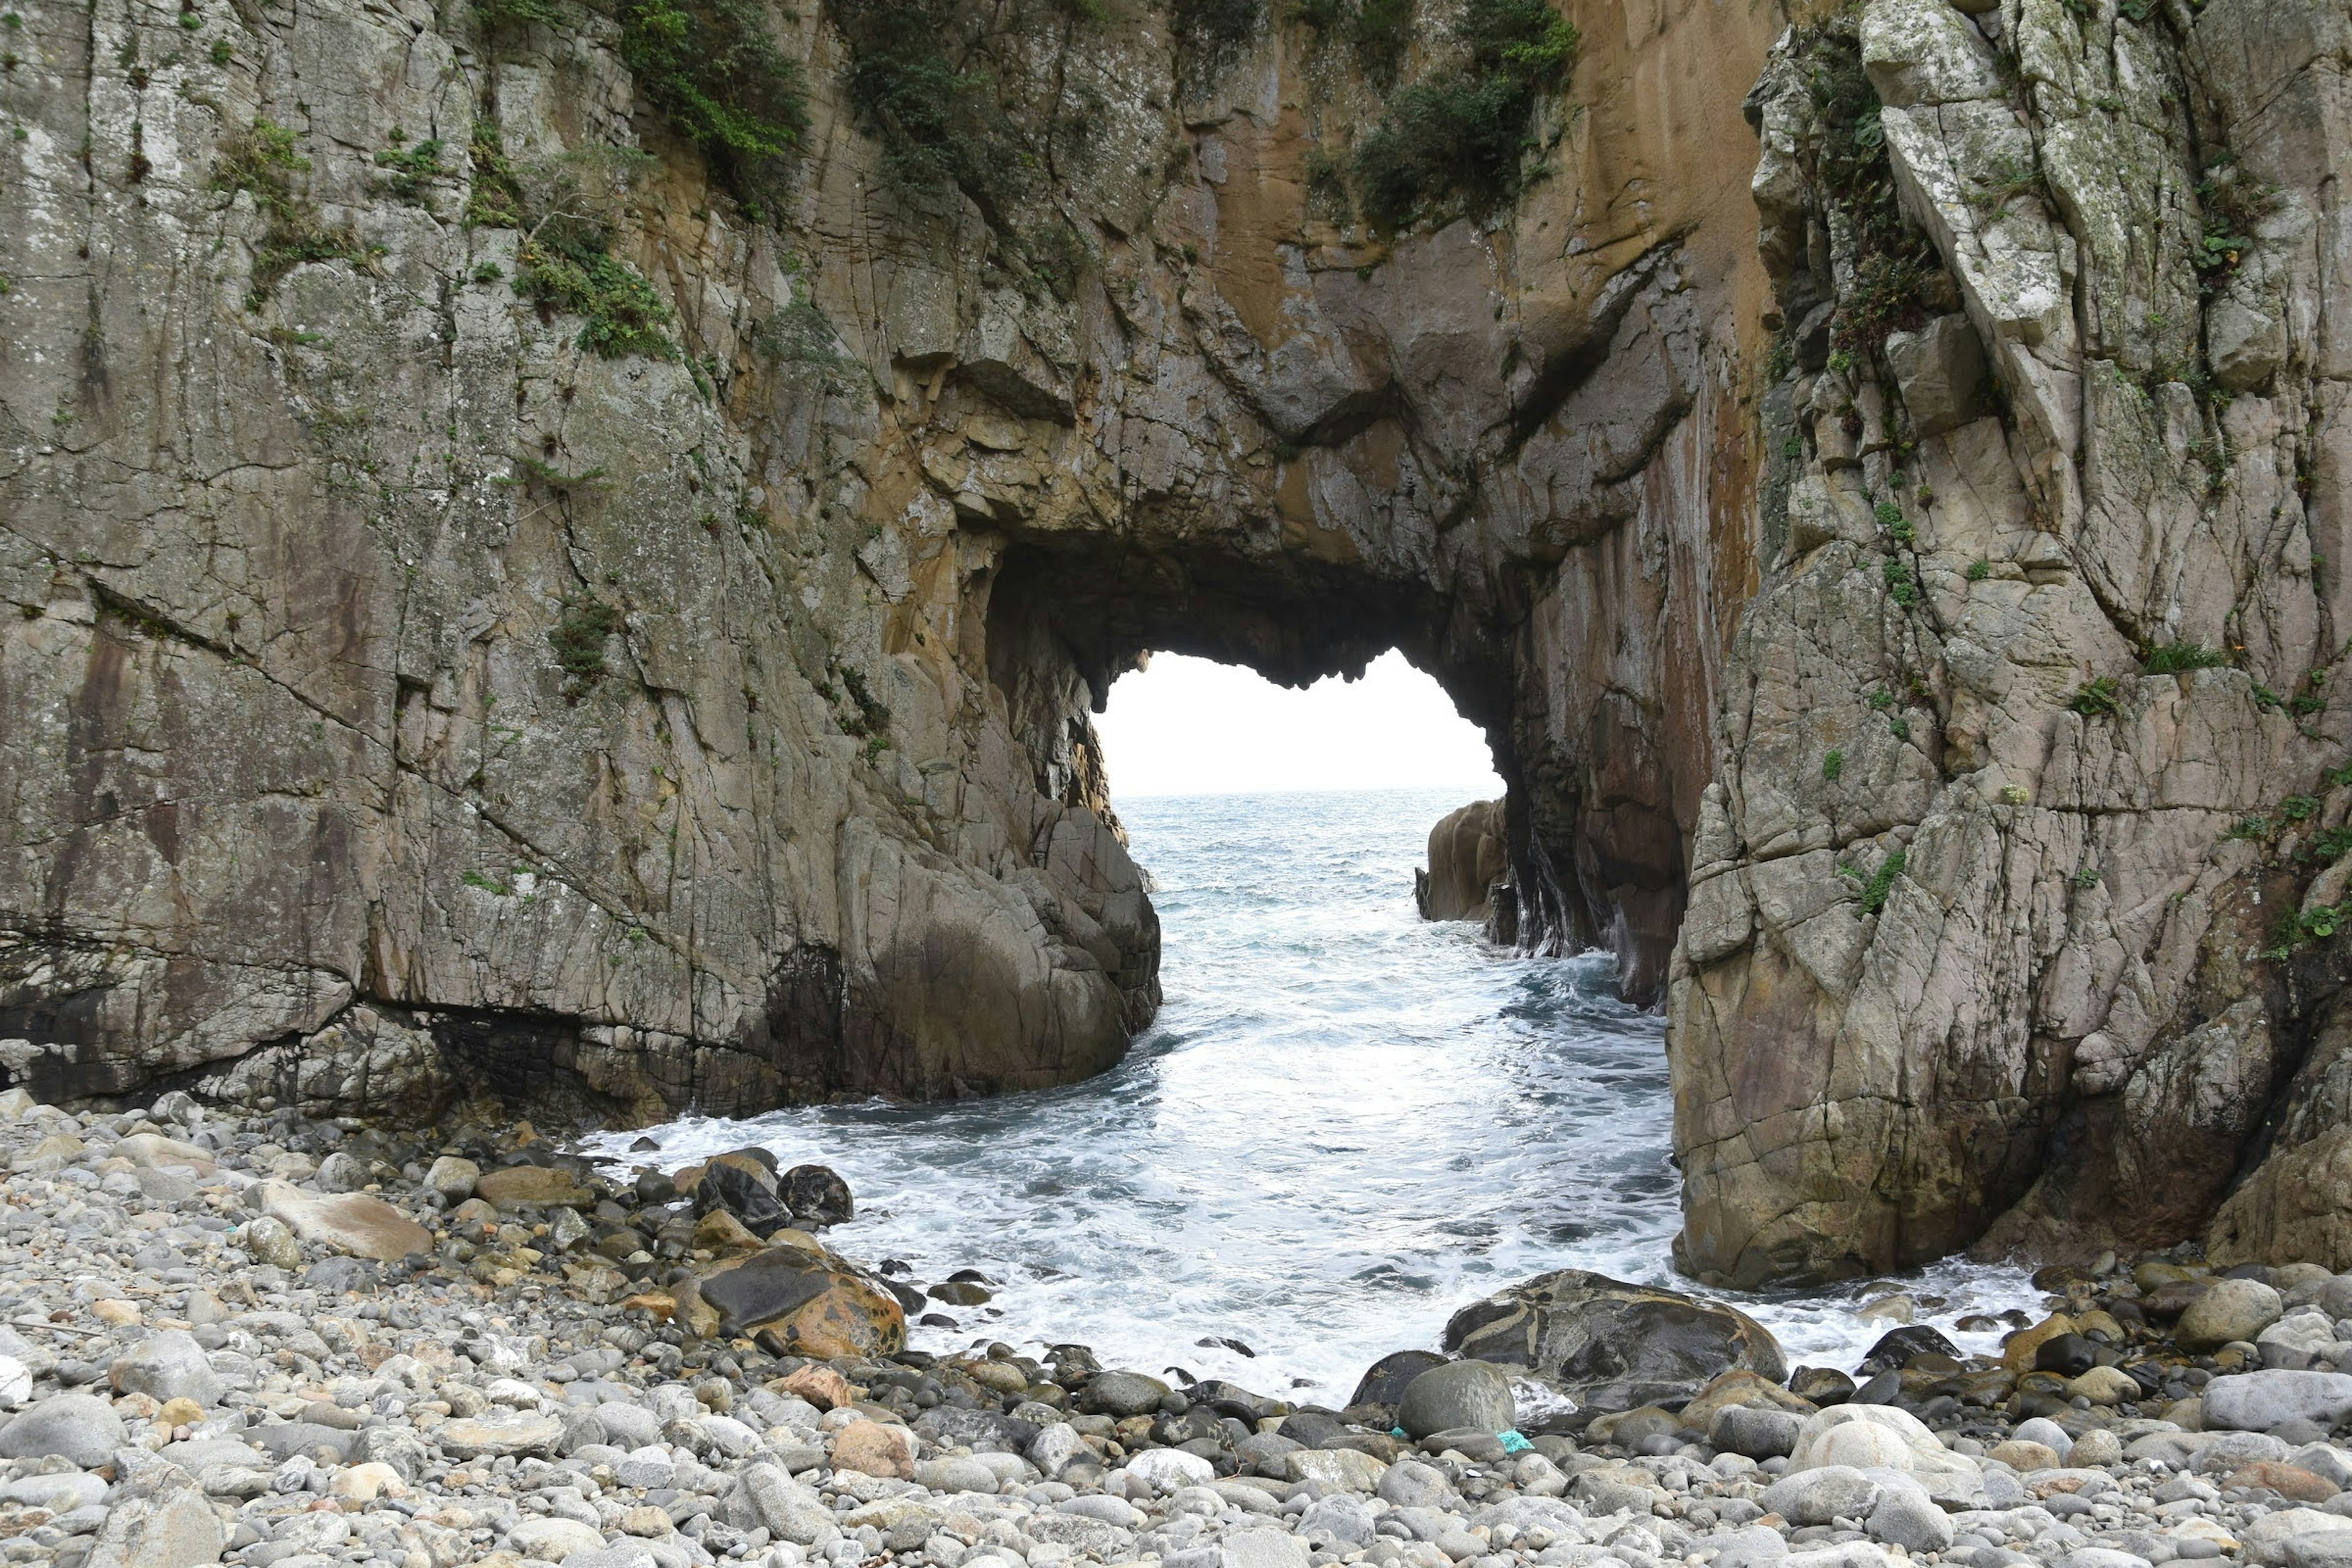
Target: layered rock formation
x=1466, y=859
x=513, y=584
x=2008, y=915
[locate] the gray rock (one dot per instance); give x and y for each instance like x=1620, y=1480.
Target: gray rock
x=1758, y=1432
x=161, y=1519
x=1408, y=1483
x=1940, y=370
x=2095, y=1448
x=1339, y=1521
x=1385, y=1381
x=2258, y=1401
x=648, y=1467
x=1122, y=1394
x=452, y=1178
x=2232, y=1311
x=2297, y=1341
x=1057, y=1448
x=1819, y=1495
x=341, y=1172
x=2048, y=1433
x=307, y=1437
x=1908, y=1519
x=1460, y=1393
x=168, y=1365
x=80, y=1428
x=788, y=1510
x=628, y=1425
x=1750, y=1548
x=1262, y=1549
x=271, y=1242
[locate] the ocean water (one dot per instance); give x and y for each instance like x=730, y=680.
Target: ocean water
x=1346, y=1124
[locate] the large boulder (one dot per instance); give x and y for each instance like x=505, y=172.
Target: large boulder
x=167, y=1366
x=79, y=1427
x=802, y=1302
x=1473, y=1393
x=160, y=1519
x=1466, y=858
x=739, y=1185
x=348, y=1222
x=1880, y=1437
x=1385, y=1381
x=2233, y=1311
x=1610, y=1345
x=817, y=1196
x=542, y=1185
x=2258, y=1401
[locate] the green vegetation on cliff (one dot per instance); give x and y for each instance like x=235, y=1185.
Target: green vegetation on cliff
x=923, y=81
x=1456, y=140
x=716, y=74
x=723, y=83
x=262, y=163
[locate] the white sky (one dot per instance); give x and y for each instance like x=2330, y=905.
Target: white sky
x=1191, y=726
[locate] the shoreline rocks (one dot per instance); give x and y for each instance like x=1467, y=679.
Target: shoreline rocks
x=605, y=1368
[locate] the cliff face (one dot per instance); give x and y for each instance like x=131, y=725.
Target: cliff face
x=570, y=548
x=2011, y=897
x=516, y=584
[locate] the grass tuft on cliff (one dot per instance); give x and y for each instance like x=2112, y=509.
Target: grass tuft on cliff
x=1456, y=142
x=1893, y=261
x=572, y=268
x=262, y=163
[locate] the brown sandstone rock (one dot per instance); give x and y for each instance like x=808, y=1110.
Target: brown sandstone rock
x=875, y=1449
x=1466, y=857
x=349, y=1222
x=544, y=1184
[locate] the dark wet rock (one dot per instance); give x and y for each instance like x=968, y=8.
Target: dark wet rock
x=817, y=1196
x=2069, y=1355
x=1118, y=1394
x=1898, y=1349
x=804, y=1304
x=1610, y=1345
x=1821, y=1385
x=1384, y=1382
x=725, y=1186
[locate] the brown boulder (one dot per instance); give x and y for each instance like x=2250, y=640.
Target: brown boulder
x=1740, y=1387
x=875, y=1449
x=799, y=1302
x=543, y=1184
x=1466, y=858
x=819, y=1384
x=2018, y=1351
x=348, y=1222
x=2290, y=1481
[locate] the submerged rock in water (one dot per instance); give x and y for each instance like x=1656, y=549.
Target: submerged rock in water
x=1610, y=1345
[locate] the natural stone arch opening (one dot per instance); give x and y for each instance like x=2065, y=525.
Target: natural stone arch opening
x=1066, y=616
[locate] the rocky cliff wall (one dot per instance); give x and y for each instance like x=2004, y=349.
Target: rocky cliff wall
x=518, y=579
x=2011, y=899
x=570, y=548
